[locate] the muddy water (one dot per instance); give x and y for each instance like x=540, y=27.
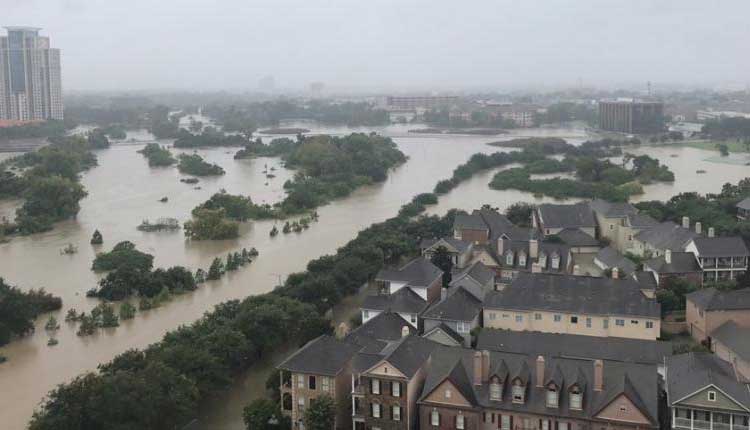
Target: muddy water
x=123, y=191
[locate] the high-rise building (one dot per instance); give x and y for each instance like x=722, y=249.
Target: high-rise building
x=30, y=87
x=631, y=116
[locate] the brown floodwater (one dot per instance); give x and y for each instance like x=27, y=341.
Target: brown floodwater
x=123, y=191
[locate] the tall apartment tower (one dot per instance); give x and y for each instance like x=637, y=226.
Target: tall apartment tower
x=30, y=87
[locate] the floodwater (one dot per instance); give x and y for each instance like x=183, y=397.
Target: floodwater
x=123, y=191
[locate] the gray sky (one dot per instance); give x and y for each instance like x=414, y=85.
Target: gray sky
x=400, y=44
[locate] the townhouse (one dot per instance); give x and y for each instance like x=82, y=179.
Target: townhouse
x=731, y=342
x=655, y=241
x=674, y=265
x=584, y=305
x=743, y=209
x=459, y=250
x=721, y=259
x=708, y=308
x=619, y=223
x=552, y=219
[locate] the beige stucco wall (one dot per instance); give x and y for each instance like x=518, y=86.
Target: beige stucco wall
x=622, y=409
x=701, y=326
x=723, y=352
x=506, y=319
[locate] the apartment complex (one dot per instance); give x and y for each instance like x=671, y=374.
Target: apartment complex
x=631, y=116
x=30, y=82
x=417, y=102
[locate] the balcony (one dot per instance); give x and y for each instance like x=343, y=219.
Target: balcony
x=682, y=423
x=702, y=425
x=720, y=426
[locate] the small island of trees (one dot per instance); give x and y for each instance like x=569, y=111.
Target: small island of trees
x=194, y=164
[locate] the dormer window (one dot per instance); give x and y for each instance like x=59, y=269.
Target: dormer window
x=543, y=259
x=555, y=261
x=576, y=398
x=522, y=259
x=509, y=258
x=552, y=396
x=519, y=391
x=496, y=390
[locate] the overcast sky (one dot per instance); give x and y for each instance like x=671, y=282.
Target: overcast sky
x=400, y=44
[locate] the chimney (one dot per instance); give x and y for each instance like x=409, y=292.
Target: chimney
x=342, y=330
x=598, y=375
x=540, y=371
x=485, y=365
x=443, y=293
x=405, y=331
x=500, y=247
x=478, y=368
x=533, y=248
x=686, y=222
x=576, y=270
x=698, y=227
x=668, y=256
x=615, y=273
x=711, y=232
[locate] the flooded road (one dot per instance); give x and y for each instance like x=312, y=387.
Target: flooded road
x=123, y=191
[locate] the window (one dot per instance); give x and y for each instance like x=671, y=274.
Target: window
x=575, y=398
x=620, y=322
x=463, y=327
x=413, y=319
x=311, y=382
x=375, y=407
x=543, y=259
x=509, y=258
x=588, y=322
x=555, y=262
x=605, y=323
x=396, y=413
x=521, y=259
x=374, y=386
x=518, y=393
x=538, y=316
x=396, y=389
x=558, y=317
x=434, y=418
x=545, y=424
x=574, y=320
x=552, y=397
x=611, y=226
x=562, y=426
x=300, y=381
x=634, y=322
x=493, y=315
x=448, y=394
x=505, y=422
x=496, y=391
x=712, y=396
x=460, y=422
x=324, y=384
x=519, y=318
x=649, y=324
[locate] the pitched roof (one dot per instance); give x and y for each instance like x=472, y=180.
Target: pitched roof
x=689, y=373
x=576, y=237
x=460, y=245
x=574, y=294
x=721, y=246
x=323, y=355
x=645, y=279
x=666, y=235
x=547, y=249
x=459, y=305
x=744, y=204
x=641, y=221
x=680, y=262
x=477, y=271
x=448, y=331
x=574, y=346
x=405, y=300
x=409, y=354
x=612, y=209
x=734, y=337
x=386, y=326
x=419, y=272
x=470, y=222
x=567, y=216
x=711, y=299
x=611, y=258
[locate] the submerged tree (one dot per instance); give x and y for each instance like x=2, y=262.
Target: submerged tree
x=216, y=270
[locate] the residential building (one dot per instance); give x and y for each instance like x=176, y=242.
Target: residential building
x=710, y=114
x=708, y=308
x=721, y=258
x=415, y=102
x=631, y=116
x=584, y=305
x=486, y=227
x=460, y=310
x=531, y=256
x=472, y=390
x=579, y=242
x=551, y=219
x=419, y=275
x=705, y=392
x=674, y=265
x=30, y=83
x=731, y=343
x=477, y=278
x=404, y=302
x=459, y=250
x=609, y=259
x=619, y=222
x=743, y=209
x=654, y=241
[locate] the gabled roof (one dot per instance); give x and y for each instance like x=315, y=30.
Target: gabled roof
x=469, y=222
x=666, y=235
x=419, y=272
x=459, y=305
x=645, y=279
x=688, y=374
x=641, y=221
x=735, y=338
x=611, y=258
x=386, y=326
x=576, y=237
x=409, y=354
x=574, y=346
x=728, y=246
x=323, y=355
x=622, y=385
x=574, y=294
x=457, y=244
x=681, y=262
x=479, y=273
x=405, y=300
x=744, y=204
x=547, y=249
x=578, y=215
x=612, y=209
x=711, y=299
x=448, y=331
x=498, y=224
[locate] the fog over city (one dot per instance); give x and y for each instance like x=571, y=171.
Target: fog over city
x=376, y=45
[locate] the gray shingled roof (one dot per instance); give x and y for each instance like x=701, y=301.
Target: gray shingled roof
x=711, y=299
x=645, y=279
x=386, y=326
x=735, y=338
x=471, y=222
x=477, y=271
x=459, y=245
x=448, y=331
x=574, y=346
x=728, y=246
x=459, y=305
x=546, y=248
x=612, y=209
x=404, y=301
x=639, y=382
x=323, y=355
x=409, y=354
x=574, y=294
x=575, y=237
x=667, y=235
x=694, y=371
x=611, y=258
x=567, y=216
x=744, y=204
x=681, y=262
x=641, y=221
x=419, y=272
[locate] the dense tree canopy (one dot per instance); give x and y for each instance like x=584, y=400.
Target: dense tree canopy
x=18, y=309
x=193, y=164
